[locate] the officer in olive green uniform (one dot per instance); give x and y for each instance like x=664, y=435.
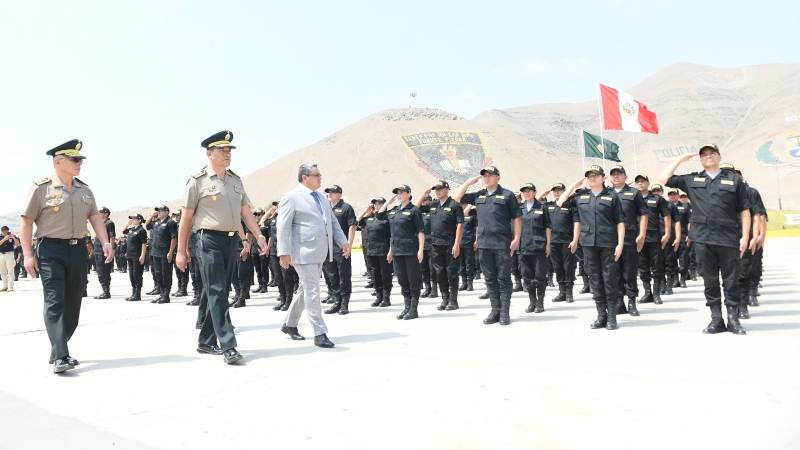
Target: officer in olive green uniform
x=214, y=205
x=60, y=206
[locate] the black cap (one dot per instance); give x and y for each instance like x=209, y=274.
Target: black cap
x=275, y=203
x=137, y=216
x=335, y=188
x=70, y=149
x=617, y=169
x=162, y=208
x=641, y=177
x=402, y=187
x=657, y=187
x=104, y=210
x=527, y=186
x=258, y=212
x=594, y=168
x=217, y=140
x=490, y=169
x=558, y=186
x=441, y=184
x=378, y=200
x=713, y=147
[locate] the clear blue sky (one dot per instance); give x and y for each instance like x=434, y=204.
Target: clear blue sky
x=143, y=82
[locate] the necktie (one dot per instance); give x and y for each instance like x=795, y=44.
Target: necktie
x=318, y=201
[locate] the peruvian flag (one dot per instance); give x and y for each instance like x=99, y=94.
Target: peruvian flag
x=623, y=112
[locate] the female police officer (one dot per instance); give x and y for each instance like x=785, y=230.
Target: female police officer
x=406, y=247
x=602, y=237
x=534, y=247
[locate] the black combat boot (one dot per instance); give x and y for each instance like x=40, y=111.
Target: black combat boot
x=463, y=285
x=682, y=281
x=469, y=285
x=668, y=286
x=621, y=306
x=517, y=284
x=154, y=291
x=586, y=285
x=657, y=286
x=328, y=298
x=164, y=298
x=752, y=296
x=531, y=301
x=369, y=285
x=259, y=288
x=717, y=325
x=378, y=298
x=733, y=320
x=406, y=307
x=539, y=307
x=240, y=303
x=427, y=291
x=105, y=295
x=337, y=305
x=602, y=316
x=484, y=296
x=288, y=302
x=568, y=293
x=505, y=310
x=562, y=293
x=137, y=296
x=494, y=315
x=632, y=306
x=236, y=296
x=386, y=301
x=434, y=290
x=344, y=305
x=452, y=305
x=281, y=300
x=744, y=313
x=412, y=310
x=133, y=292
x=550, y=281
x=445, y=300
x=647, y=297
x=611, y=320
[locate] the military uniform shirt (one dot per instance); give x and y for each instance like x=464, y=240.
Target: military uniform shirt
x=657, y=209
x=217, y=203
x=426, y=225
x=377, y=231
x=599, y=216
x=634, y=207
x=534, y=223
x=561, y=222
x=136, y=236
x=57, y=212
x=445, y=217
x=273, y=231
x=405, y=224
x=470, y=225
x=716, y=204
x=345, y=216
x=110, y=231
x=162, y=232
x=495, y=212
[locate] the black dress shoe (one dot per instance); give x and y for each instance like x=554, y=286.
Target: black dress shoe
x=232, y=356
x=292, y=332
x=323, y=341
x=209, y=349
x=61, y=365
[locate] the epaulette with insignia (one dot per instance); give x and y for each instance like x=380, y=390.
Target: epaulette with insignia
x=80, y=181
x=44, y=180
x=199, y=174
x=233, y=173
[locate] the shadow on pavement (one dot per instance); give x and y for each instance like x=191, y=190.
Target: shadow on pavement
x=544, y=317
x=748, y=325
x=646, y=322
x=103, y=364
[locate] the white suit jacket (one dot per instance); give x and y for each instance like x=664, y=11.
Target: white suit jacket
x=302, y=232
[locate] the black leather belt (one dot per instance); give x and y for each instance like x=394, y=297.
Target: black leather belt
x=64, y=241
x=219, y=233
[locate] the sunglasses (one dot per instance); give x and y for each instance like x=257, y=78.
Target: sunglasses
x=75, y=159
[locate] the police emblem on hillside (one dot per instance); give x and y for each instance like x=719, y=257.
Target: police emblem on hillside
x=448, y=155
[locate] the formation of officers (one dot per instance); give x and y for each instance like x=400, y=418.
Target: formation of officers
x=711, y=223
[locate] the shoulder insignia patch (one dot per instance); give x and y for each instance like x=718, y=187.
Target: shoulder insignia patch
x=80, y=181
x=199, y=174
x=42, y=181
x=233, y=173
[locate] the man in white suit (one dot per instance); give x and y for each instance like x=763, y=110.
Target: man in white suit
x=307, y=230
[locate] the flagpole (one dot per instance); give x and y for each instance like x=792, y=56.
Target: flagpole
x=602, y=124
x=635, y=159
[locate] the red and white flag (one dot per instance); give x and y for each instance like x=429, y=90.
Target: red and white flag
x=623, y=112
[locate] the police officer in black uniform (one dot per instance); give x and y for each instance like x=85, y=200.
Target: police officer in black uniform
x=136, y=242
x=430, y=290
x=242, y=277
x=447, y=219
x=602, y=236
x=377, y=230
x=104, y=269
x=340, y=269
x=498, y=238
x=563, y=222
x=681, y=246
x=406, y=247
x=468, y=268
x=285, y=279
x=668, y=254
x=636, y=216
x=164, y=232
x=534, y=248
x=260, y=263
x=719, y=230
x=651, y=258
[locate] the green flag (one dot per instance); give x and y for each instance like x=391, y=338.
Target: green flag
x=593, y=149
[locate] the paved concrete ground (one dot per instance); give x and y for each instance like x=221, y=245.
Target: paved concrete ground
x=443, y=381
